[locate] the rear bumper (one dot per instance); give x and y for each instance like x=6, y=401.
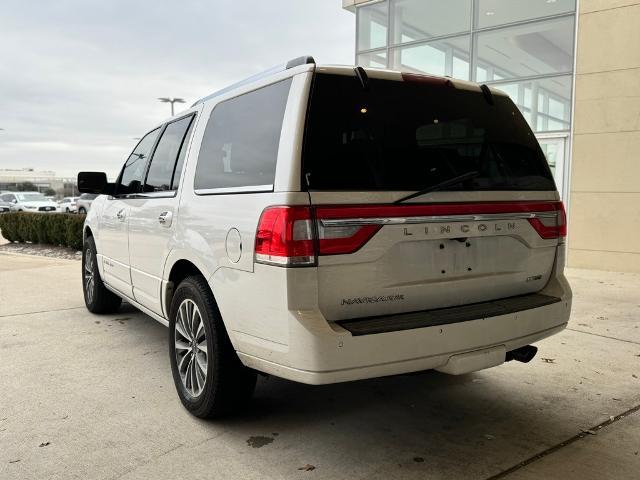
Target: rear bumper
x=429, y=362
x=320, y=352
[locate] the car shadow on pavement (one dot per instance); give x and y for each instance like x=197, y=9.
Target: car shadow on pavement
x=407, y=418
x=488, y=419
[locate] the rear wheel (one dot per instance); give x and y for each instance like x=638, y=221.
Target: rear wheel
x=82, y=210
x=210, y=379
x=96, y=296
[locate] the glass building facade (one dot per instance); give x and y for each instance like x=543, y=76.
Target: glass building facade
x=524, y=47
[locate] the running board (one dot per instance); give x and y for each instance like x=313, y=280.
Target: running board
x=140, y=307
x=444, y=316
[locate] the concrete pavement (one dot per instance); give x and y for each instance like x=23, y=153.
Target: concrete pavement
x=87, y=396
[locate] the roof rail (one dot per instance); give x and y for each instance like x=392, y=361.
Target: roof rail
x=304, y=60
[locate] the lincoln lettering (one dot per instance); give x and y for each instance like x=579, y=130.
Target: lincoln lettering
x=453, y=229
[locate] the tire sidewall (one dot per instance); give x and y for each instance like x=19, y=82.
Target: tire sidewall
x=189, y=290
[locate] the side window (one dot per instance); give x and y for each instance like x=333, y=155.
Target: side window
x=161, y=172
x=240, y=144
x=133, y=171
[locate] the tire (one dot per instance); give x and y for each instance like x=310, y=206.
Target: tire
x=228, y=385
x=67, y=210
x=96, y=296
x=82, y=211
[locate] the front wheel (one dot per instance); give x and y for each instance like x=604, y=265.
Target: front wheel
x=97, y=297
x=210, y=379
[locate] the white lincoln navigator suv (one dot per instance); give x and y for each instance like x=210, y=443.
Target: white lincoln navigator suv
x=326, y=224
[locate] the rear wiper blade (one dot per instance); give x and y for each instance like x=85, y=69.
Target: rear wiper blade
x=438, y=186
x=361, y=73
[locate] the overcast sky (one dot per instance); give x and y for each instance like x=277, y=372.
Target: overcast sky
x=79, y=79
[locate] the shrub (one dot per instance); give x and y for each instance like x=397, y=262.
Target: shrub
x=51, y=228
x=73, y=231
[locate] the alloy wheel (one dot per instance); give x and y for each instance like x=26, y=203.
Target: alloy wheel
x=89, y=278
x=191, y=347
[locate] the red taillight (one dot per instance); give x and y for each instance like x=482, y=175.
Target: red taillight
x=342, y=240
x=552, y=226
x=285, y=237
x=297, y=235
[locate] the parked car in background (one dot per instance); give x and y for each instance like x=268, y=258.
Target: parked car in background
x=83, y=203
x=4, y=206
x=29, y=202
x=328, y=224
x=68, y=205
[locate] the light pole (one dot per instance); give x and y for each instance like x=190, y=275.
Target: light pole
x=171, y=101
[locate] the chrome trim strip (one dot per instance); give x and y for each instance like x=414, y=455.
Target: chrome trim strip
x=147, y=195
x=243, y=189
x=302, y=261
x=354, y=222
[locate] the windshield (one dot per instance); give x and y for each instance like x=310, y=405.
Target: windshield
x=410, y=135
x=31, y=197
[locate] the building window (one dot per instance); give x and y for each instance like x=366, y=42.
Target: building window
x=537, y=48
x=490, y=13
x=372, y=27
x=525, y=47
x=439, y=57
x=375, y=59
x=420, y=20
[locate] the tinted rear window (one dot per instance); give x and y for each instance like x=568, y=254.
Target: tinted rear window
x=409, y=135
x=240, y=144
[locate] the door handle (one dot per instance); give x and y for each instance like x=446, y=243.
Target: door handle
x=120, y=215
x=165, y=219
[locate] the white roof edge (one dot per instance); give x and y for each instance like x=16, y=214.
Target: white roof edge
x=293, y=64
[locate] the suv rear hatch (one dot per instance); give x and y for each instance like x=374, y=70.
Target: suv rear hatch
x=486, y=226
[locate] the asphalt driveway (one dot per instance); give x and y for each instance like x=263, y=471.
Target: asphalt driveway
x=87, y=396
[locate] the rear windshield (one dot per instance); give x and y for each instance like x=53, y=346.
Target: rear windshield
x=411, y=135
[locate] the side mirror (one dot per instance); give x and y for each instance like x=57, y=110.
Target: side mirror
x=14, y=201
x=94, y=182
